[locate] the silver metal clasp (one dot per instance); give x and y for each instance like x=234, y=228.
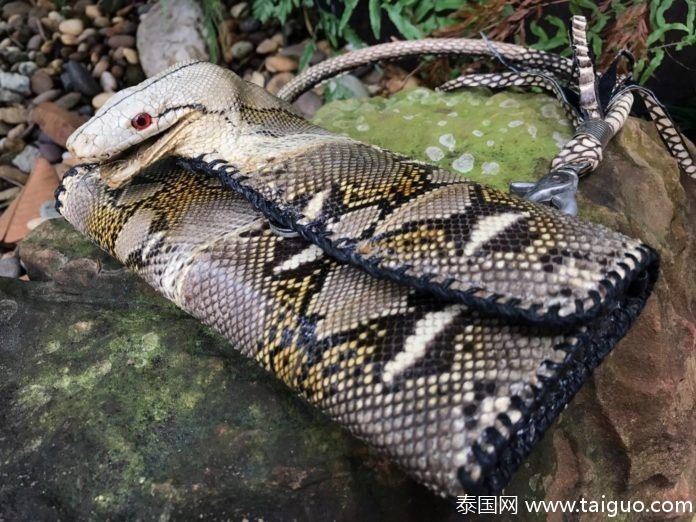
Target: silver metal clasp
x=557, y=188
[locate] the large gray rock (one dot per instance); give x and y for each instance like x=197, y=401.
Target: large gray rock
x=170, y=32
x=118, y=405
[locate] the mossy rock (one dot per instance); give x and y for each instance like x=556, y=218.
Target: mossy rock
x=490, y=138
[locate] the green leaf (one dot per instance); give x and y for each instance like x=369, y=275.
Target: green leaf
x=348, y=8
x=375, y=17
x=307, y=54
x=405, y=27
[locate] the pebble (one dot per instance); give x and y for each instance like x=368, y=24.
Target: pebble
x=249, y=25
x=14, y=82
x=239, y=10
x=69, y=101
x=121, y=40
x=131, y=55
x=41, y=82
x=108, y=82
x=81, y=80
x=15, y=8
x=72, y=27
x=102, y=22
x=280, y=63
x=100, y=67
x=10, y=97
x=68, y=39
x=257, y=78
x=47, y=47
x=47, y=96
x=278, y=81
x=17, y=131
x=268, y=46
x=13, y=115
x=10, y=267
x=308, y=104
x=52, y=152
x=34, y=43
x=100, y=99
x=241, y=50
x=92, y=11
x=24, y=161
x=26, y=68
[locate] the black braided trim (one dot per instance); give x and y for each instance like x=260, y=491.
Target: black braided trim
x=614, y=284
x=554, y=394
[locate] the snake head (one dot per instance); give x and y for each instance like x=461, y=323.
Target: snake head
x=143, y=119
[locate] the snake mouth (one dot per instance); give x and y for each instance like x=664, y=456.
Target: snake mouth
x=120, y=168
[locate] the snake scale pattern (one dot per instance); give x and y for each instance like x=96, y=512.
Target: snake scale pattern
x=456, y=397
x=444, y=322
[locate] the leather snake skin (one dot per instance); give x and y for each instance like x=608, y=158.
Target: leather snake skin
x=444, y=322
x=456, y=397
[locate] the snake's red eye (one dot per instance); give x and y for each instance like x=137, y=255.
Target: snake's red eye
x=141, y=121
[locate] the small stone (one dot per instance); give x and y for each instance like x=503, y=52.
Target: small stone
x=108, y=82
x=102, y=22
x=308, y=104
x=280, y=63
x=100, y=99
x=68, y=39
x=47, y=96
x=81, y=79
x=34, y=43
x=121, y=40
x=92, y=11
x=278, y=81
x=25, y=160
x=47, y=47
x=131, y=55
x=133, y=74
x=117, y=71
x=87, y=33
x=268, y=46
x=69, y=100
x=17, y=131
x=100, y=67
x=11, y=146
x=73, y=27
x=10, y=97
x=239, y=10
x=41, y=82
x=257, y=78
x=15, y=82
x=15, y=8
x=249, y=25
x=26, y=68
x=13, y=115
x=10, y=267
x=241, y=49
x=52, y=152
x=55, y=121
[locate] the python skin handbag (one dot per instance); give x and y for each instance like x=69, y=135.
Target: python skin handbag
x=445, y=323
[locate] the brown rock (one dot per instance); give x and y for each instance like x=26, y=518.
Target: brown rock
x=280, y=63
x=56, y=122
x=131, y=55
x=268, y=46
x=121, y=40
x=41, y=82
x=72, y=27
x=278, y=81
